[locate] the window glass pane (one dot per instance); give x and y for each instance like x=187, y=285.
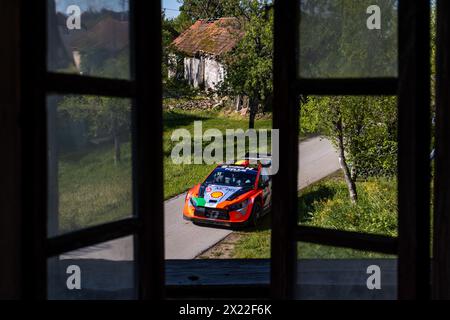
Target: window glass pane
x=197, y=235
x=348, y=167
x=348, y=38
x=89, y=37
x=216, y=85
x=89, y=161
x=102, y=271
x=326, y=272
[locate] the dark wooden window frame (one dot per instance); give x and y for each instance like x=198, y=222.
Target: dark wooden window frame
x=144, y=90
x=412, y=88
x=441, y=222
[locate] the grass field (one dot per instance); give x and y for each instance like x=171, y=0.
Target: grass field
x=326, y=204
x=178, y=178
x=93, y=190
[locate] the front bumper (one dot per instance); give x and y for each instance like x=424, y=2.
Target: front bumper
x=216, y=222
x=216, y=216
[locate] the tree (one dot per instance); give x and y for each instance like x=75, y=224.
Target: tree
x=171, y=29
x=104, y=116
x=210, y=9
x=363, y=129
x=346, y=47
x=249, y=65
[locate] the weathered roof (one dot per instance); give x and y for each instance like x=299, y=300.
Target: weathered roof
x=214, y=37
x=109, y=34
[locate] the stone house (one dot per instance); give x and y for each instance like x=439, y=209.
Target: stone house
x=106, y=33
x=201, y=47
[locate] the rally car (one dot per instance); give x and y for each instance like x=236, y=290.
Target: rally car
x=235, y=194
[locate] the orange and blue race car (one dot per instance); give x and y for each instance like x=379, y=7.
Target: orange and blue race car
x=232, y=195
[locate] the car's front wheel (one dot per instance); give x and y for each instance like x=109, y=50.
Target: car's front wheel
x=256, y=213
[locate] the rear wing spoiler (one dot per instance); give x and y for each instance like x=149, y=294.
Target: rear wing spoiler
x=265, y=159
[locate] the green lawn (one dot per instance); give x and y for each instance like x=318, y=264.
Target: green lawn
x=179, y=178
x=326, y=204
x=93, y=190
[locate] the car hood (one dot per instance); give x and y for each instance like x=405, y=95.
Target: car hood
x=215, y=194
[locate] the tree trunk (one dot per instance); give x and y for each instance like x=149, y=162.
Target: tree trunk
x=356, y=149
x=237, y=104
x=344, y=166
x=252, y=114
x=116, y=141
x=116, y=149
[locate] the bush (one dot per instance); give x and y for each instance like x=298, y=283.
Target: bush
x=179, y=88
x=326, y=205
x=366, y=125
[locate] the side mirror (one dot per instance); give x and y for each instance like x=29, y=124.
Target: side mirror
x=263, y=184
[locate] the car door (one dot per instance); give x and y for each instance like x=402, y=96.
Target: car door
x=266, y=185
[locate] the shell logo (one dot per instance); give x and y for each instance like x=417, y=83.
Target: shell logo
x=216, y=194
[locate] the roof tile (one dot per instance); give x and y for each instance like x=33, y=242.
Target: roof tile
x=215, y=37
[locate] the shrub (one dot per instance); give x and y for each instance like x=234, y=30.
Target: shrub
x=326, y=205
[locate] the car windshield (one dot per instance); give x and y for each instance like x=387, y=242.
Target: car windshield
x=233, y=176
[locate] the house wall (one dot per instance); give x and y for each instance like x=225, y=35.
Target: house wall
x=193, y=71
x=214, y=73
x=172, y=66
x=204, y=72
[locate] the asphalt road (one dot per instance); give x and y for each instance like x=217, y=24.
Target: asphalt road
x=185, y=240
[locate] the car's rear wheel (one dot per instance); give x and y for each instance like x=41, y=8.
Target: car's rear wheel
x=256, y=213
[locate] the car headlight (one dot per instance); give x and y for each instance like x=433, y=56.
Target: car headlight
x=239, y=206
x=191, y=201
